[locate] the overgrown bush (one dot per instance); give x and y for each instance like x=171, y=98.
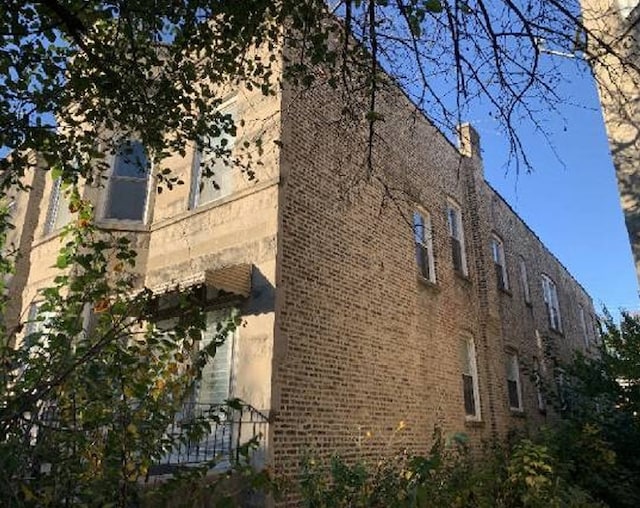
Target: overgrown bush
x=526, y=475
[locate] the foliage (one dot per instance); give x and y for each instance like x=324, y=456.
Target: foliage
x=598, y=438
x=87, y=395
x=526, y=475
x=78, y=76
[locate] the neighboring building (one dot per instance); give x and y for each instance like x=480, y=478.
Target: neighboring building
x=406, y=295
x=615, y=29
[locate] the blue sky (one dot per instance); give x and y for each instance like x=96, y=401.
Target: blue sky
x=574, y=208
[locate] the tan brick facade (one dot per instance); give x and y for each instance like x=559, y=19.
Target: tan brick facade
x=346, y=346
x=362, y=341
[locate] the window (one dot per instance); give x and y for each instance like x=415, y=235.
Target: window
x=58, y=214
x=212, y=175
x=208, y=396
x=550, y=294
x=561, y=389
x=214, y=386
x=514, y=389
x=127, y=197
x=497, y=252
x=454, y=219
x=596, y=331
x=37, y=329
x=537, y=380
x=422, y=232
x=470, y=379
x=524, y=280
x=583, y=325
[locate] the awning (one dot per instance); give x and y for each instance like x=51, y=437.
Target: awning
x=232, y=279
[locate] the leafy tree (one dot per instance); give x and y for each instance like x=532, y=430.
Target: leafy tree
x=598, y=439
x=87, y=396
x=77, y=76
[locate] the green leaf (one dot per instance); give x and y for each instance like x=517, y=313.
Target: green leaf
x=433, y=6
x=56, y=171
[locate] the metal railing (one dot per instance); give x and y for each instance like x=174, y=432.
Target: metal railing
x=222, y=437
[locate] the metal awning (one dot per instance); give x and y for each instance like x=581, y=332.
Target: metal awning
x=233, y=279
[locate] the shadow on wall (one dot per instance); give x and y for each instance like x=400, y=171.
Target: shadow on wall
x=263, y=294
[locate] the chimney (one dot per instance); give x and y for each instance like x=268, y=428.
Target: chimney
x=468, y=141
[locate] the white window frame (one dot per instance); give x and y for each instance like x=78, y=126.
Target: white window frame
x=561, y=388
x=500, y=262
x=225, y=172
x=57, y=200
x=148, y=182
x=524, y=280
x=583, y=325
x=469, y=368
x=456, y=234
x=513, y=376
x=423, y=238
x=550, y=295
x=538, y=369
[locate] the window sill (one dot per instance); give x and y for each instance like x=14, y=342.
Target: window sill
x=47, y=237
x=461, y=276
x=474, y=422
x=558, y=333
x=426, y=283
x=122, y=225
x=505, y=291
x=517, y=413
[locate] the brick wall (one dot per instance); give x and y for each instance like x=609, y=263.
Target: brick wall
x=363, y=345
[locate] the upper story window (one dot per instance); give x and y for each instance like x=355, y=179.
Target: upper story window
x=550, y=294
x=470, y=388
x=499, y=261
x=524, y=279
x=128, y=183
x=423, y=236
x=583, y=325
x=514, y=388
x=58, y=214
x=456, y=232
x=212, y=175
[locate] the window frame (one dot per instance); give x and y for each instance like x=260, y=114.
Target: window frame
x=524, y=280
x=552, y=302
x=469, y=369
x=57, y=200
x=229, y=106
x=112, y=177
x=537, y=371
x=582, y=318
x=513, y=376
x=423, y=240
x=500, y=262
x=456, y=234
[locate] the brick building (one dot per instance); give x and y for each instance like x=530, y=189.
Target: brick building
x=614, y=26
x=402, y=294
